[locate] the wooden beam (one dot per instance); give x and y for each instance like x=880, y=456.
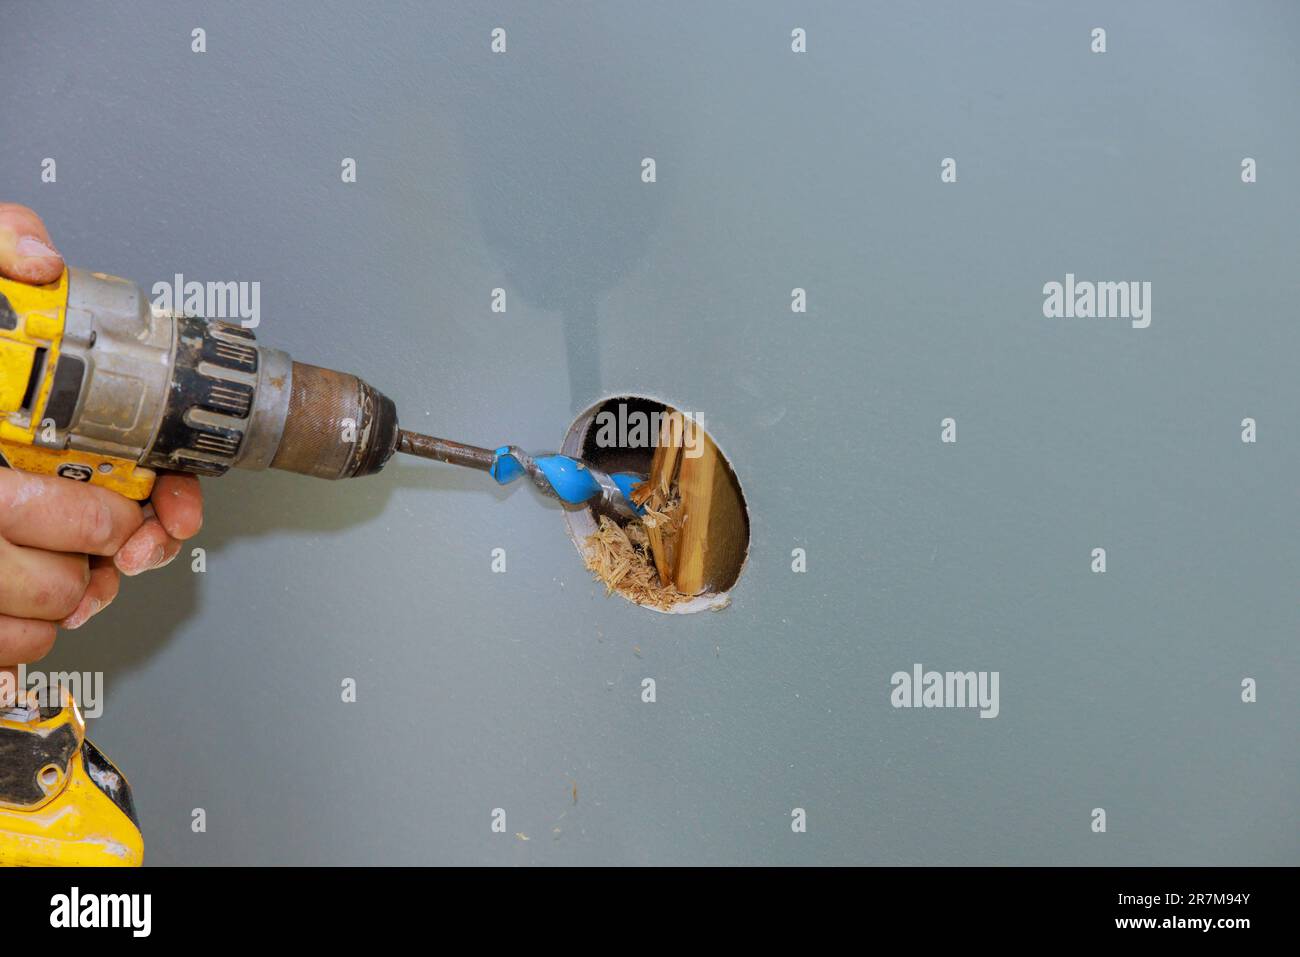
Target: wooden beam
x=713, y=519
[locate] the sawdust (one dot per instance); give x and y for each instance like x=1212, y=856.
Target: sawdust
x=622, y=557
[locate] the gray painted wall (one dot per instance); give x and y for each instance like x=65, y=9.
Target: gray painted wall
x=775, y=170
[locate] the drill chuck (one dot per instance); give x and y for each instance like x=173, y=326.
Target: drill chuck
x=336, y=425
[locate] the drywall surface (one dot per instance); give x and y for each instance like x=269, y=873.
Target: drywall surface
x=774, y=170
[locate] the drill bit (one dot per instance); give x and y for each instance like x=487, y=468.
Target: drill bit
x=570, y=480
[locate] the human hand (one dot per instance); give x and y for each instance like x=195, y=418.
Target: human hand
x=63, y=544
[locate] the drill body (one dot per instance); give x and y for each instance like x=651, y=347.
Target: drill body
x=97, y=386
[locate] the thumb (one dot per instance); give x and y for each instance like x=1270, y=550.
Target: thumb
x=26, y=253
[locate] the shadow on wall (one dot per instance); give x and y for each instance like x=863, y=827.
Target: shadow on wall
x=150, y=609
x=266, y=504
x=554, y=169
x=143, y=617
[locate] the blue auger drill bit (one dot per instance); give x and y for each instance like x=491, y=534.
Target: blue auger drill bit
x=570, y=480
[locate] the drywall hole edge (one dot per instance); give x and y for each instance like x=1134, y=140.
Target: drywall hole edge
x=582, y=523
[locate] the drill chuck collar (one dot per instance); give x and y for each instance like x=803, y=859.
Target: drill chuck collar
x=233, y=403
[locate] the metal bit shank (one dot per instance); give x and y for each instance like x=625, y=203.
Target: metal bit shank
x=444, y=450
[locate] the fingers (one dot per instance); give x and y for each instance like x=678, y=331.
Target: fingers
x=148, y=547
x=43, y=585
x=62, y=516
x=178, y=501
x=174, y=513
x=26, y=252
x=101, y=591
x=23, y=640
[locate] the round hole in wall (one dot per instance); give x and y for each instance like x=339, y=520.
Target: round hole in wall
x=703, y=542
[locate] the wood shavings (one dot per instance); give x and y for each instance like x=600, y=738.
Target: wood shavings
x=622, y=556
